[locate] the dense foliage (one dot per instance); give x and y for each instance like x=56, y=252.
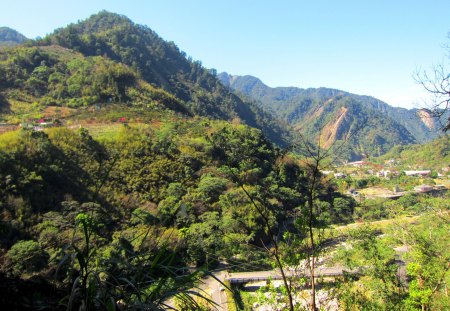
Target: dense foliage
x=433, y=155
x=140, y=183
x=168, y=189
x=59, y=77
x=413, y=277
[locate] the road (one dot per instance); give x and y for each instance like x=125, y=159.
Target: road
x=244, y=277
x=217, y=290
x=211, y=288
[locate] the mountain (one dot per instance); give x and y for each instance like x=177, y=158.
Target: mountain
x=56, y=76
x=338, y=115
x=163, y=65
x=10, y=37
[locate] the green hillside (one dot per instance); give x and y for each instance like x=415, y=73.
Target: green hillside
x=432, y=155
x=129, y=174
x=163, y=65
x=38, y=77
x=149, y=191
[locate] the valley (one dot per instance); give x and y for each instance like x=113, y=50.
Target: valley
x=134, y=178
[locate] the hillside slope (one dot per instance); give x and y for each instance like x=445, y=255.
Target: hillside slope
x=432, y=155
x=35, y=78
x=163, y=65
x=10, y=37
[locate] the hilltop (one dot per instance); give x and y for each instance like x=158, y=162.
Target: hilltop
x=10, y=37
x=129, y=173
x=107, y=59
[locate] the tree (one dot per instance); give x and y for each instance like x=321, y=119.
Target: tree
x=123, y=276
x=26, y=257
x=315, y=211
x=379, y=286
x=437, y=83
x=428, y=261
x=244, y=157
x=301, y=191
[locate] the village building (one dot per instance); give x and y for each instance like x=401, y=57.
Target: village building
x=418, y=173
x=326, y=172
x=340, y=176
x=423, y=188
x=384, y=173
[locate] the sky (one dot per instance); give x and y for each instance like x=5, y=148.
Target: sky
x=364, y=47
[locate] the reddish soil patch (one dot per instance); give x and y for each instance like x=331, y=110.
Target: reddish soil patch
x=53, y=111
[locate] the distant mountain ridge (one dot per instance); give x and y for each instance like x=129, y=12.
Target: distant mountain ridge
x=338, y=113
x=10, y=37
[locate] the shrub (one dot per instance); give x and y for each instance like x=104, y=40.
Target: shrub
x=25, y=257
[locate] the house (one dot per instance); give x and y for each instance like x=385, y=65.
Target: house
x=384, y=173
x=357, y=163
x=26, y=125
x=423, y=188
x=418, y=173
x=353, y=192
x=326, y=172
x=340, y=176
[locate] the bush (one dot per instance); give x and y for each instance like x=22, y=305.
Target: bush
x=25, y=257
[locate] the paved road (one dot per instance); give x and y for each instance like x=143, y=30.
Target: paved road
x=217, y=291
x=244, y=277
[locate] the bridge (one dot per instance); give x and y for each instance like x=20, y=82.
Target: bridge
x=255, y=276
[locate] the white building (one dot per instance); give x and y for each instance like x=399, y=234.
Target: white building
x=418, y=173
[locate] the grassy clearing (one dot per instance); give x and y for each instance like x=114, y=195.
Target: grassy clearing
x=23, y=111
x=110, y=131
x=381, y=225
x=8, y=140
x=103, y=131
x=375, y=191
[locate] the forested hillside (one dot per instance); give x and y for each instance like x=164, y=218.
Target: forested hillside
x=432, y=155
x=163, y=65
x=55, y=76
x=340, y=115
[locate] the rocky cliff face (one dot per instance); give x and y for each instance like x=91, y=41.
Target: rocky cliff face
x=427, y=118
x=336, y=129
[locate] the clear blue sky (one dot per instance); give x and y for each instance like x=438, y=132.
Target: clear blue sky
x=365, y=47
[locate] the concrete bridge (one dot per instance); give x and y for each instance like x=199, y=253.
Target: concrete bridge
x=255, y=276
